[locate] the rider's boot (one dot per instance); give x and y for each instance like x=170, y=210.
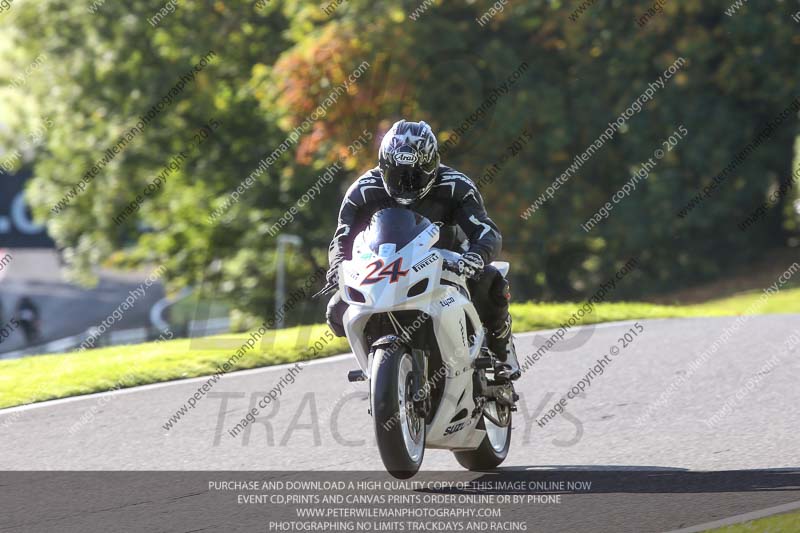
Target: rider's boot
x=501, y=343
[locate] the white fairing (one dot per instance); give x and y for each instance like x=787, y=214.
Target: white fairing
x=370, y=274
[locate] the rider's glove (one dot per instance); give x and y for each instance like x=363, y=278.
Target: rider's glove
x=471, y=265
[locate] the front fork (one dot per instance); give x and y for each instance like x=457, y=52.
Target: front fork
x=422, y=387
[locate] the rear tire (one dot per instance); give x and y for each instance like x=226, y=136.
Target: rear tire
x=494, y=446
x=399, y=432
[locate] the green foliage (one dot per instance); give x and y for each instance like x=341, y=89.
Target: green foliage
x=275, y=64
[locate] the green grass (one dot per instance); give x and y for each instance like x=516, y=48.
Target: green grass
x=38, y=378
x=530, y=316
x=784, y=523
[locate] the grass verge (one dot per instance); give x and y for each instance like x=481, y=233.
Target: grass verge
x=39, y=378
x=784, y=523
x=532, y=316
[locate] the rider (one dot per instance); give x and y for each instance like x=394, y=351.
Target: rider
x=409, y=174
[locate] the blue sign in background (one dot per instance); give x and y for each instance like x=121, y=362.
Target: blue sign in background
x=17, y=228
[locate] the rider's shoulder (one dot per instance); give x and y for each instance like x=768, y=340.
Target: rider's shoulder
x=370, y=177
x=461, y=182
x=369, y=180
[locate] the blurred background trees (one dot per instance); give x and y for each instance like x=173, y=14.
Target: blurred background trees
x=276, y=61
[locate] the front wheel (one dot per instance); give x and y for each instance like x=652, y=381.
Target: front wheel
x=399, y=430
x=495, y=444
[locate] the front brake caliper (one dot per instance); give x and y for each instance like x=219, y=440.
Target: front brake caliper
x=505, y=395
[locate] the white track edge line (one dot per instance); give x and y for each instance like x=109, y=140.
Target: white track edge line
x=263, y=369
x=150, y=386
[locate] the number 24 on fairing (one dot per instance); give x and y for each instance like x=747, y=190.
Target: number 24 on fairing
x=394, y=271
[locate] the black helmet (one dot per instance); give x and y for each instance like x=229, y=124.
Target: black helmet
x=408, y=159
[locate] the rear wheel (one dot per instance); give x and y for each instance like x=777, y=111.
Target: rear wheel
x=495, y=444
x=399, y=430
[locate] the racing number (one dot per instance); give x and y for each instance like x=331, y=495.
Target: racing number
x=394, y=271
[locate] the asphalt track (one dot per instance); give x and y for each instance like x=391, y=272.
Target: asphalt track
x=667, y=471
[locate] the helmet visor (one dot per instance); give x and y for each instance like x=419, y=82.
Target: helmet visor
x=405, y=181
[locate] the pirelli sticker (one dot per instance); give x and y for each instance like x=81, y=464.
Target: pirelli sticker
x=426, y=262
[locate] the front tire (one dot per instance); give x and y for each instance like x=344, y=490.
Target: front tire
x=399, y=431
x=495, y=444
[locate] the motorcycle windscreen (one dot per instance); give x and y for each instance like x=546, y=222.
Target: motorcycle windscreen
x=396, y=226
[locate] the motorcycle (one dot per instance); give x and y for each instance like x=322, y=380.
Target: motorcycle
x=419, y=342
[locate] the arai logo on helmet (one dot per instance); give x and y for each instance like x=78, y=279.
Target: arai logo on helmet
x=405, y=158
